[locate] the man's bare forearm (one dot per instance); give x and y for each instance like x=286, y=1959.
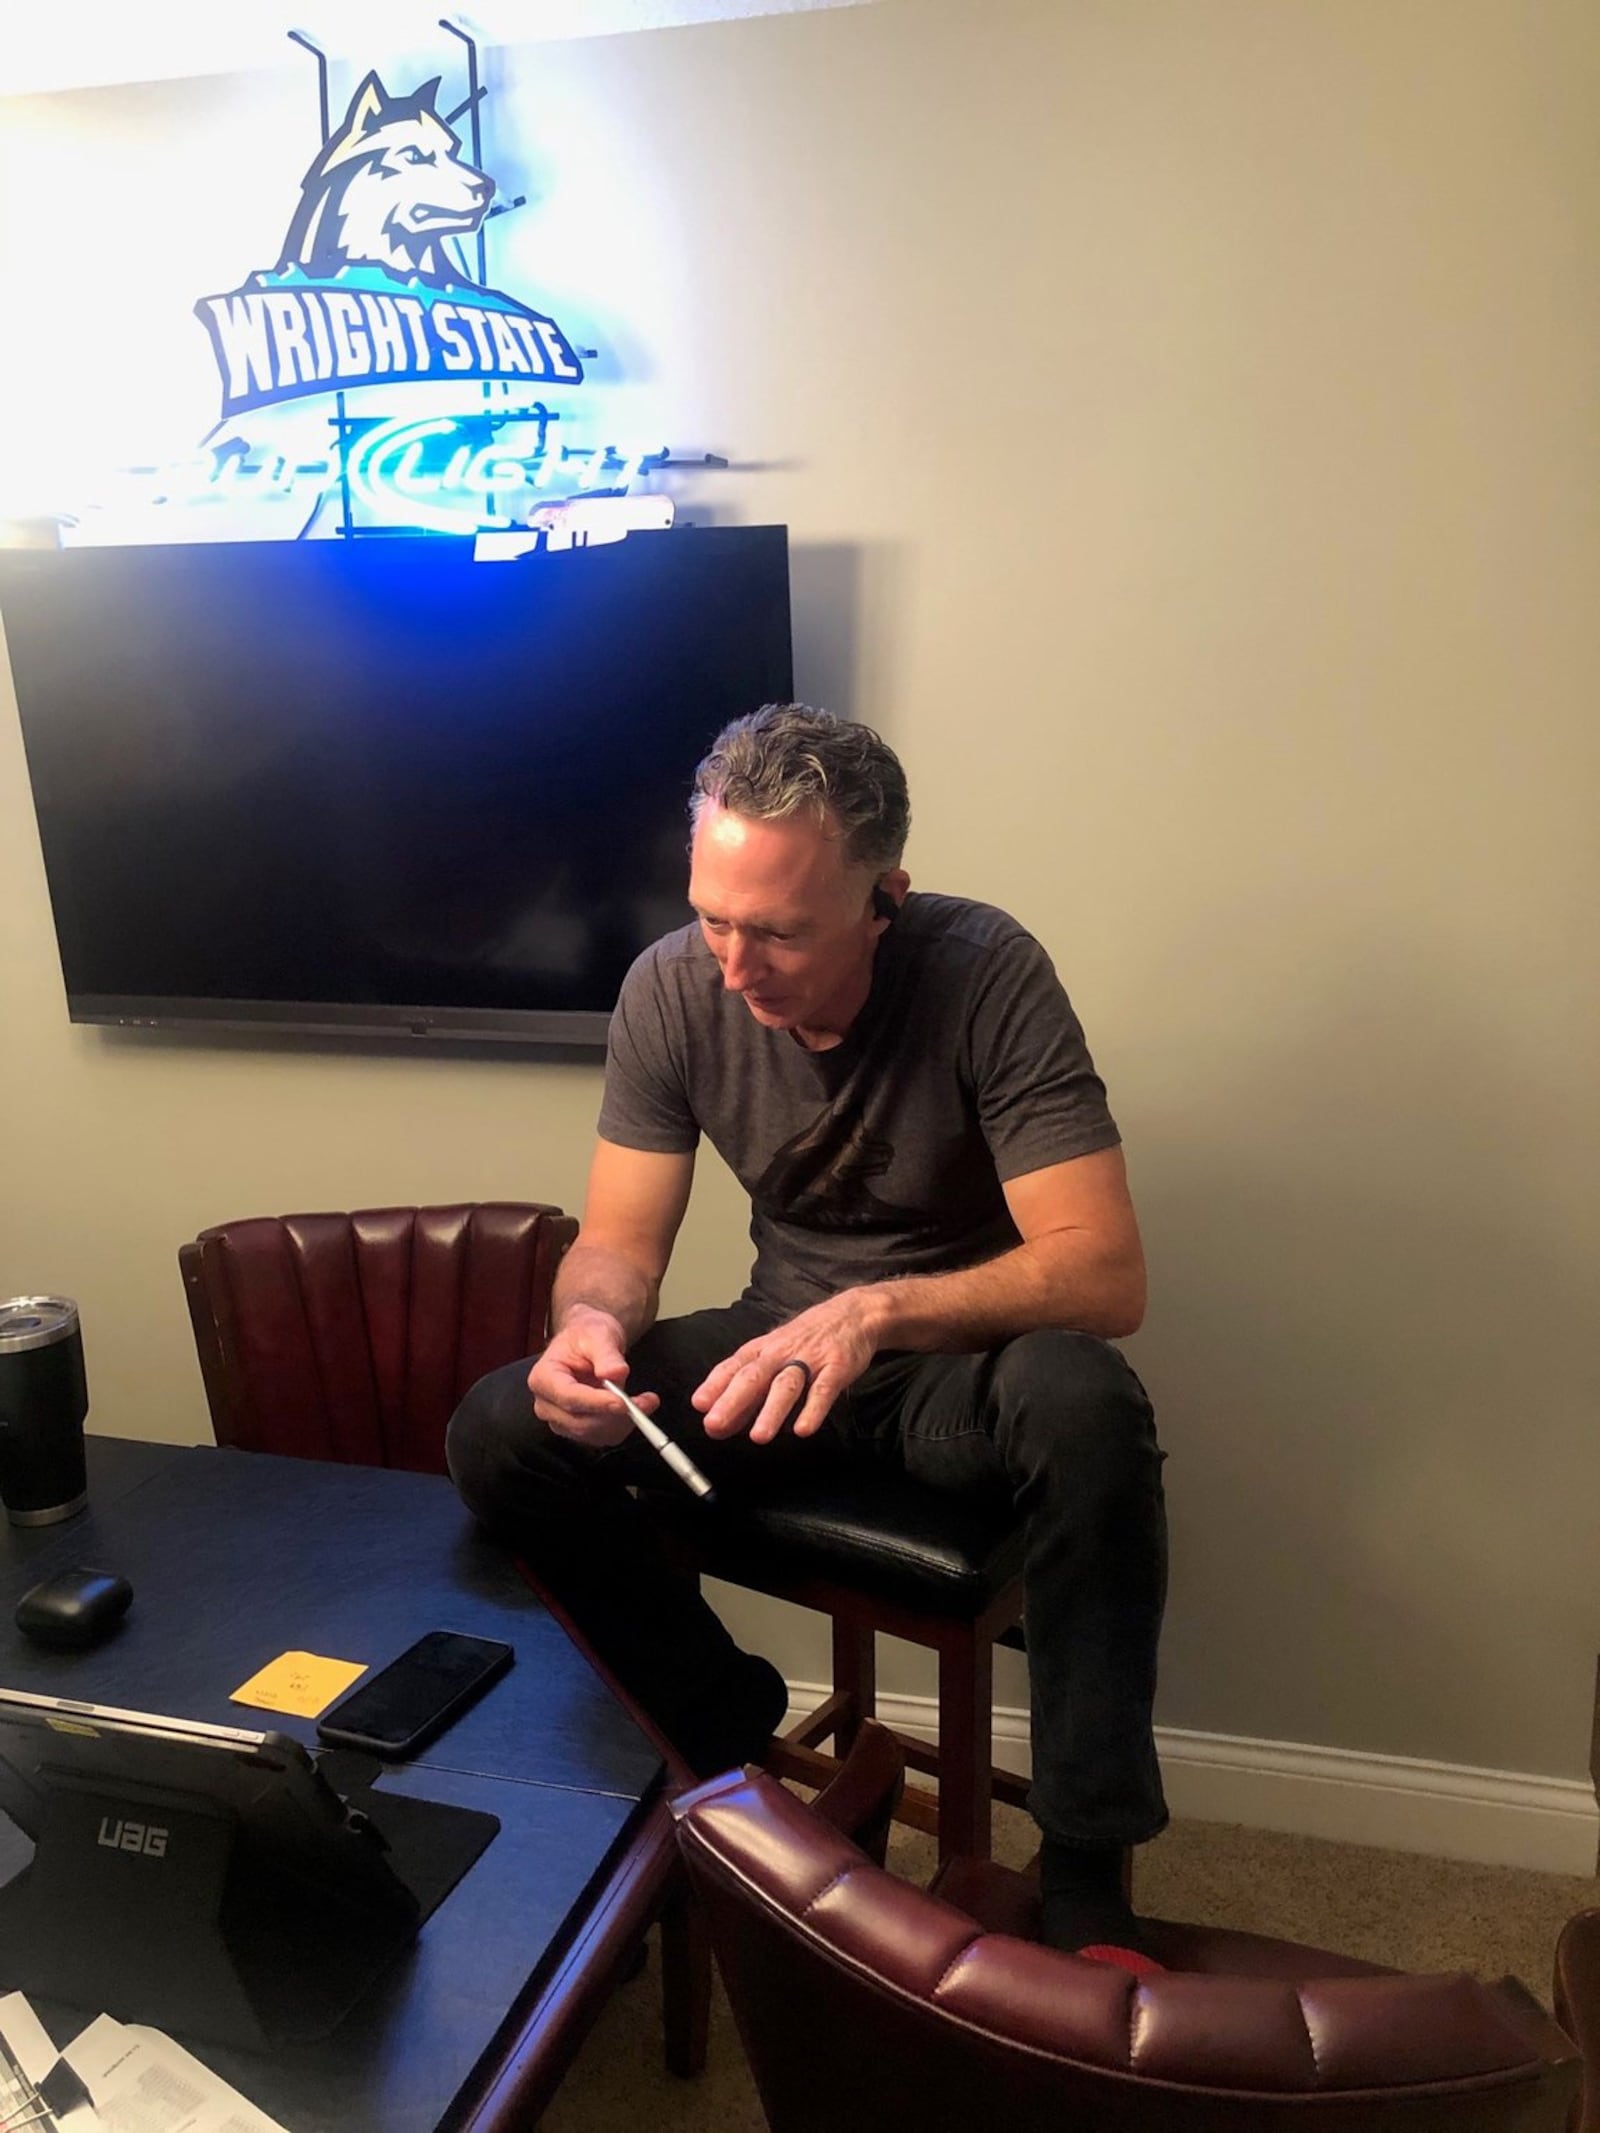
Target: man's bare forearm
x=594, y=1277
x=1061, y=1280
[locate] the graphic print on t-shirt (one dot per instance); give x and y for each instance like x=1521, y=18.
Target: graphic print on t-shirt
x=822, y=1178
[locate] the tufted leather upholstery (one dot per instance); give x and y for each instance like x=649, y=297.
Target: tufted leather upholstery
x=352, y=1336
x=866, y=2005
x=1577, y=2000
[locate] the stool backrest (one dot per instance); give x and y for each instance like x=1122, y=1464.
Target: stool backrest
x=353, y=1336
x=864, y=2003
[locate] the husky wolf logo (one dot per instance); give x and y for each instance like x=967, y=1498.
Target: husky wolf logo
x=384, y=191
x=366, y=290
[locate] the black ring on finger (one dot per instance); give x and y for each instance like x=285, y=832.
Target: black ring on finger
x=794, y=1363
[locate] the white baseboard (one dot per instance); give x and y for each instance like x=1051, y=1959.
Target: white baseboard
x=1448, y=1810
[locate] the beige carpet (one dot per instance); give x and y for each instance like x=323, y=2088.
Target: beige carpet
x=1390, y=1907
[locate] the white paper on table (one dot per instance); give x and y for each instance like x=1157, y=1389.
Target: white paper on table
x=25, y=2037
x=29, y=2049
x=141, y=2082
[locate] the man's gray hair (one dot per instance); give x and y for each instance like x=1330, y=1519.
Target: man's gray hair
x=787, y=759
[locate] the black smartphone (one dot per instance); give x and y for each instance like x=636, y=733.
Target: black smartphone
x=415, y=1696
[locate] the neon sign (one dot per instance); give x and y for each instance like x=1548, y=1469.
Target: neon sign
x=434, y=471
x=371, y=373
x=439, y=473
x=364, y=292
x=276, y=342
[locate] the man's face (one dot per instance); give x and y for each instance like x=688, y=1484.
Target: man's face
x=790, y=923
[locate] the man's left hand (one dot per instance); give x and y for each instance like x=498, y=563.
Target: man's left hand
x=756, y=1389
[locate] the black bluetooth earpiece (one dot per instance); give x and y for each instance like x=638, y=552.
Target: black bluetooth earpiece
x=884, y=906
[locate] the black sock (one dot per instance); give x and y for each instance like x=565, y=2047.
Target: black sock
x=1083, y=1903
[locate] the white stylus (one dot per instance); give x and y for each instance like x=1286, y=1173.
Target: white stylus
x=675, y=1456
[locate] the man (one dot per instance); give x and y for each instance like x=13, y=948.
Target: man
x=944, y=1247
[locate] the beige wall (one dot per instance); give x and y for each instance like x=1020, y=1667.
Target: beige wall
x=1185, y=416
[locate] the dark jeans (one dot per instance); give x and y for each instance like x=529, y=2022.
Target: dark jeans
x=1055, y=1423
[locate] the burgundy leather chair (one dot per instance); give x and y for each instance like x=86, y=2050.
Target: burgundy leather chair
x=1577, y=2003
x=866, y=2005
x=352, y=1336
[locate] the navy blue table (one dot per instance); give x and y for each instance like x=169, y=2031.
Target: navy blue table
x=235, y=1557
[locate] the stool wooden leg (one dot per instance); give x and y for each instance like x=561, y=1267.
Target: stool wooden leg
x=966, y=1733
x=855, y=1679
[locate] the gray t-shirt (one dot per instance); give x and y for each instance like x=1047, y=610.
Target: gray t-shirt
x=884, y=1156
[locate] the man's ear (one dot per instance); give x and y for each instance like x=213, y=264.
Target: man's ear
x=889, y=894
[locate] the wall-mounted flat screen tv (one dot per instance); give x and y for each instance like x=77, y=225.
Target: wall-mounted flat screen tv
x=378, y=785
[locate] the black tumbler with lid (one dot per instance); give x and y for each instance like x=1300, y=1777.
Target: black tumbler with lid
x=44, y=1397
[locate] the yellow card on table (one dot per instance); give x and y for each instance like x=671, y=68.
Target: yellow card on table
x=299, y=1683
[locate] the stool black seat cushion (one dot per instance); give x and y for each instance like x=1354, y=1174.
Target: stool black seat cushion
x=886, y=1537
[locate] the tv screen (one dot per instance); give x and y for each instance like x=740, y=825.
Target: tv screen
x=379, y=785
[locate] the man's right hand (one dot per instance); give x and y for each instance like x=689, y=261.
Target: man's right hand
x=565, y=1381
